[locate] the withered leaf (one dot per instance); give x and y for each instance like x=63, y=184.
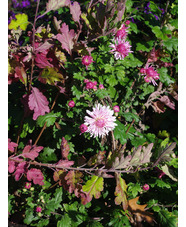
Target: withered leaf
x=138, y=212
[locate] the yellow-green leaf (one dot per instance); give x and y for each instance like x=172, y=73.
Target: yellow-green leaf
x=94, y=186
x=20, y=21
x=121, y=192
x=50, y=76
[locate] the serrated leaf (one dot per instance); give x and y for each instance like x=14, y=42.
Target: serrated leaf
x=38, y=103
x=65, y=221
x=75, y=10
x=56, y=4
x=48, y=155
x=73, y=178
x=164, y=77
x=20, y=21
x=141, y=155
x=49, y=118
x=55, y=202
x=120, y=132
x=50, y=76
x=130, y=116
x=93, y=187
x=171, y=44
x=67, y=38
x=166, y=154
x=121, y=192
x=167, y=219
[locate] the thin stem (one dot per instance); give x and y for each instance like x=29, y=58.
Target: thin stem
x=33, y=45
x=44, y=126
x=111, y=170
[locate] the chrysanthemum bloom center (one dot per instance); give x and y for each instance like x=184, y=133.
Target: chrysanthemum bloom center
x=100, y=123
x=121, y=33
x=121, y=48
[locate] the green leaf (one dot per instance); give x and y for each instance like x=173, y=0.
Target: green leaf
x=65, y=221
x=120, y=132
x=29, y=216
x=167, y=219
x=10, y=199
x=171, y=44
x=94, y=224
x=162, y=184
x=120, y=192
x=94, y=186
x=134, y=189
x=130, y=116
x=159, y=33
x=49, y=118
x=55, y=202
x=164, y=77
x=20, y=21
x=76, y=92
x=111, y=80
x=48, y=155
x=134, y=27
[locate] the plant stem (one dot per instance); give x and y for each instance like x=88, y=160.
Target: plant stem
x=44, y=126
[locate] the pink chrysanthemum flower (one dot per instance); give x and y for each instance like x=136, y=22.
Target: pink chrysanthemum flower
x=38, y=209
x=116, y=109
x=121, y=48
x=28, y=185
x=101, y=121
x=146, y=187
x=122, y=32
x=150, y=75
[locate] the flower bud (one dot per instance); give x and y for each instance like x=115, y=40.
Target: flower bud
x=146, y=187
x=71, y=103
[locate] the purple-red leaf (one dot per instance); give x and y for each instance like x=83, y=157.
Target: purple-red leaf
x=35, y=175
x=31, y=151
x=64, y=148
x=75, y=10
x=20, y=170
x=67, y=38
x=38, y=103
x=73, y=179
x=11, y=145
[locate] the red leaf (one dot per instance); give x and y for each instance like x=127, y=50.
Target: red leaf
x=67, y=38
x=35, y=175
x=20, y=170
x=73, y=179
x=38, y=103
x=64, y=148
x=75, y=10
x=11, y=166
x=31, y=151
x=11, y=145
x=42, y=61
x=43, y=47
x=20, y=72
x=168, y=102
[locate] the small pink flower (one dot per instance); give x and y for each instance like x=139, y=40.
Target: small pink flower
x=150, y=74
x=146, y=187
x=71, y=103
x=95, y=83
x=83, y=128
x=161, y=175
x=122, y=32
x=101, y=86
x=89, y=85
x=86, y=81
x=95, y=88
x=121, y=48
x=127, y=22
x=87, y=60
x=28, y=185
x=38, y=209
x=116, y=109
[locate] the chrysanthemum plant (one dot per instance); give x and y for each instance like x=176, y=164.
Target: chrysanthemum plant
x=92, y=113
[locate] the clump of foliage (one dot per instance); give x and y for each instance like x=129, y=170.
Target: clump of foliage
x=93, y=113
